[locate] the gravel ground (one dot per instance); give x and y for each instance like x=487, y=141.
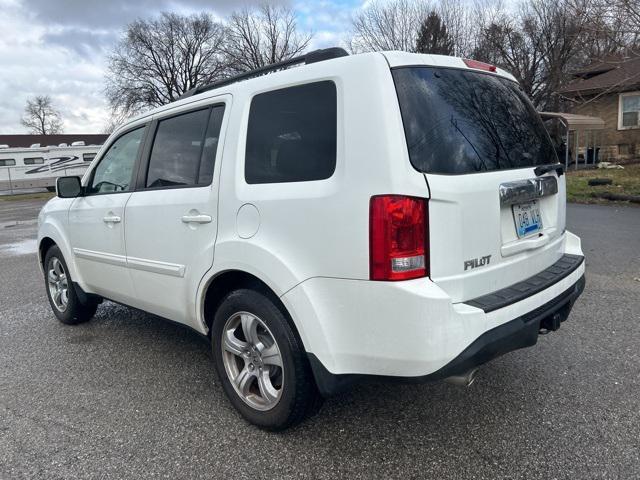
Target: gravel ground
x=129, y=395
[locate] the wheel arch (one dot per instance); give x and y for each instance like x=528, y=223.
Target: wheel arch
x=50, y=234
x=43, y=247
x=220, y=285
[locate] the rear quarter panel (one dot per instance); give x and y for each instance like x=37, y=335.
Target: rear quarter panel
x=321, y=228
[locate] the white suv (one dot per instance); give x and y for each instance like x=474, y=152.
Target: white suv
x=327, y=220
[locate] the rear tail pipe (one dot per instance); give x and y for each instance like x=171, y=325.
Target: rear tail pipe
x=464, y=379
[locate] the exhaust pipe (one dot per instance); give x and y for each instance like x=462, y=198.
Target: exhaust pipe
x=464, y=379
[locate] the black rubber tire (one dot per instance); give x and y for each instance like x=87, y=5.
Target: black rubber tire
x=593, y=182
x=76, y=312
x=300, y=397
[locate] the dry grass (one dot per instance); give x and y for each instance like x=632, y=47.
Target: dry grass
x=27, y=196
x=626, y=182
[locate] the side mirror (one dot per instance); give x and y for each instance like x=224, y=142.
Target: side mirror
x=68, y=187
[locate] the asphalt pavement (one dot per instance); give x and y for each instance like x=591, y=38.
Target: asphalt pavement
x=128, y=395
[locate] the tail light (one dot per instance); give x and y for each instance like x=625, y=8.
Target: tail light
x=479, y=65
x=397, y=237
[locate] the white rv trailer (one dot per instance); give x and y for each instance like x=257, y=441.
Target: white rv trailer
x=38, y=167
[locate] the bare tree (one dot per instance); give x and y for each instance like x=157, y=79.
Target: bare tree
x=390, y=25
x=433, y=36
x=613, y=28
x=158, y=60
x=40, y=116
x=461, y=18
x=396, y=24
x=116, y=118
x=261, y=36
x=537, y=45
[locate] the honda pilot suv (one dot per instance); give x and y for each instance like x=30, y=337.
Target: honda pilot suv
x=327, y=220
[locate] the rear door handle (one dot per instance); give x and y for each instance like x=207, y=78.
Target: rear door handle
x=200, y=218
x=111, y=219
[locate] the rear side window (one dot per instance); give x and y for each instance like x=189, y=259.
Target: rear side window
x=291, y=135
x=184, y=149
x=33, y=161
x=457, y=122
x=210, y=146
x=7, y=162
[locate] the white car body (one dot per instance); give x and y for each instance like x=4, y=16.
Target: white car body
x=309, y=241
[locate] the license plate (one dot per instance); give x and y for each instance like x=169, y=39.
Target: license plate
x=527, y=218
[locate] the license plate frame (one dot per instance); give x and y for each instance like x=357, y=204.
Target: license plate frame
x=527, y=218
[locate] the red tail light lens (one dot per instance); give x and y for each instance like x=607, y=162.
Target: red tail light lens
x=479, y=65
x=397, y=237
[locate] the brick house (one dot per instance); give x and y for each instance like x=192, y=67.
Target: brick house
x=609, y=89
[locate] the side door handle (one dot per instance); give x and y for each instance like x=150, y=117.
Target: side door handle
x=111, y=219
x=199, y=218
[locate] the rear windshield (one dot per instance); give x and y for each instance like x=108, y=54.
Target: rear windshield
x=457, y=121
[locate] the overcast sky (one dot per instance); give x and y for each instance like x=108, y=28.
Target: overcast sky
x=58, y=48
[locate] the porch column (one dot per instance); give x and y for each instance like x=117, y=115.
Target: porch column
x=566, y=150
x=576, y=152
x=586, y=147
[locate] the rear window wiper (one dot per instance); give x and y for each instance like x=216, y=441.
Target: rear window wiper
x=542, y=169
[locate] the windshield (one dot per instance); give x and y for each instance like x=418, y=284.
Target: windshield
x=457, y=121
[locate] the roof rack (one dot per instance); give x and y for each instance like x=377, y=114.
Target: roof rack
x=311, y=57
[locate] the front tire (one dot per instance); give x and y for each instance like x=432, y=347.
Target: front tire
x=61, y=292
x=261, y=362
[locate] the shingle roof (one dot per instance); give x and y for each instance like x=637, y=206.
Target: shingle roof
x=46, y=140
x=616, y=76
x=601, y=65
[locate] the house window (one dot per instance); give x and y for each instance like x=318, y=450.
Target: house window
x=629, y=110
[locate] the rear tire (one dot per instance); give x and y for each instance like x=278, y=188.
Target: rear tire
x=61, y=292
x=265, y=371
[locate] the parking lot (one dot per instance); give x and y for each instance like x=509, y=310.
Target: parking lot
x=128, y=395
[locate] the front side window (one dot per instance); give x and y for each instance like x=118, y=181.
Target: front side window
x=291, y=135
x=7, y=162
x=629, y=110
x=184, y=149
x=114, y=173
x=33, y=161
x=459, y=121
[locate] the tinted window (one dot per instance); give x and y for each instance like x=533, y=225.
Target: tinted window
x=7, y=162
x=33, y=161
x=211, y=139
x=184, y=149
x=456, y=121
x=115, y=170
x=291, y=134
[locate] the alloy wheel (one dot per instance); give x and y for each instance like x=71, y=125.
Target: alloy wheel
x=252, y=360
x=58, y=282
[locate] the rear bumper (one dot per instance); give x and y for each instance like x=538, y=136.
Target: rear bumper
x=412, y=329
x=518, y=333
